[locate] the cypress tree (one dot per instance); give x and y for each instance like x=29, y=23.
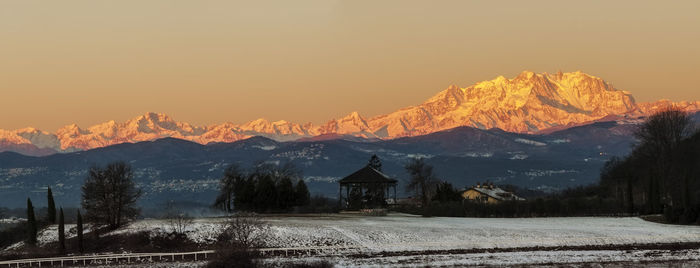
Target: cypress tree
x=51, y=213
x=31, y=223
x=80, y=232
x=61, y=232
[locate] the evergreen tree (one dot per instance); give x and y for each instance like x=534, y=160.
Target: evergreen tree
x=31, y=223
x=285, y=193
x=302, y=193
x=61, y=232
x=445, y=192
x=80, y=231
x=375, y=162
x=51, y=213
x=265, y=194
x=245, y=199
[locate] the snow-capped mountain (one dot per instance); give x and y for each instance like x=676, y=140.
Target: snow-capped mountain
x=171, y=168
x=652, y=107
x=150, y=126
x=528, y=103
x=353, y=124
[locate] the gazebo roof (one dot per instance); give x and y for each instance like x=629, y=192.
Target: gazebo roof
x=367, y=174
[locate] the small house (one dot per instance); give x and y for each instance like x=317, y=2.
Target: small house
x=488, y=193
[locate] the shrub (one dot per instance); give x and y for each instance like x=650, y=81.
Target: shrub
x=234, y=257
x=12, y=234
x=373, y=212
x=237, y=244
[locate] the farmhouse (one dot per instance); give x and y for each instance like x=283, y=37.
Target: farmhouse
x=488, y=193
x=366, y=188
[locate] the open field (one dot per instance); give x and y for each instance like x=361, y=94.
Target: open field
x=406, y=240
x=410, y=233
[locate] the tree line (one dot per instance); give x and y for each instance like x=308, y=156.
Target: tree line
x=446, y=201
x=109, y=200
x=264, y=188
x=662, y=173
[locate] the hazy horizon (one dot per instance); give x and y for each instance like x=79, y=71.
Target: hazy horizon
x=209, y=62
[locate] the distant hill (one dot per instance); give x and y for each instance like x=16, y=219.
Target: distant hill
x=176, y=169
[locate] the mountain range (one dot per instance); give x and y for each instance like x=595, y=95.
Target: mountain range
x=537, y=131
x=174, y=169
x=529, y=103
x=179, y=170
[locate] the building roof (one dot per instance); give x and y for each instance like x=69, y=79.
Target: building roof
x=496, y=193
x=367, y=174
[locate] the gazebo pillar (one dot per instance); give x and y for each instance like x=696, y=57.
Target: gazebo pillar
x=340, y=196
x=347, y=196
x=362, y=195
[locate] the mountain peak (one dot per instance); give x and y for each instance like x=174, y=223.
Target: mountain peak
x=352, y=123
x=526, y=74
x=155, y=117
x=354, y=115
x=527, y=103
x=29, y=130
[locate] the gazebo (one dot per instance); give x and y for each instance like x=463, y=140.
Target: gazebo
x=366, y=188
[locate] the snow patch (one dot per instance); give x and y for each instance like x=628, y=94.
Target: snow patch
x=479, y=155
x=265, y=147
x=531, y=142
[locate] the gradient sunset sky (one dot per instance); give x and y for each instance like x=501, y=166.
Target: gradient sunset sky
x=206, y=62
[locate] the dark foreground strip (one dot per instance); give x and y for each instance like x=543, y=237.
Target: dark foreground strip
x=654, y=246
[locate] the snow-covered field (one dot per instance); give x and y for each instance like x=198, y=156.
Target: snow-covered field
x=411, y=233
x=400, y=232
x=384, y=240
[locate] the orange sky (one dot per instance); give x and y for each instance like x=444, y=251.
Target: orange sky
x=208, y=62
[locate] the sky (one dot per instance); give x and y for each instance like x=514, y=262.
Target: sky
x=207, y=62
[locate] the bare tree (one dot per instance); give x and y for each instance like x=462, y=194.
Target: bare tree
x=422, y=181
x=244, y=230
x=229, y=185
x=242, y=234
x=659, y=136
x=178, y=221
x=110, y=194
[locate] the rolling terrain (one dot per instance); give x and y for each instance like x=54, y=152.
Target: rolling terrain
x=168, y=168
